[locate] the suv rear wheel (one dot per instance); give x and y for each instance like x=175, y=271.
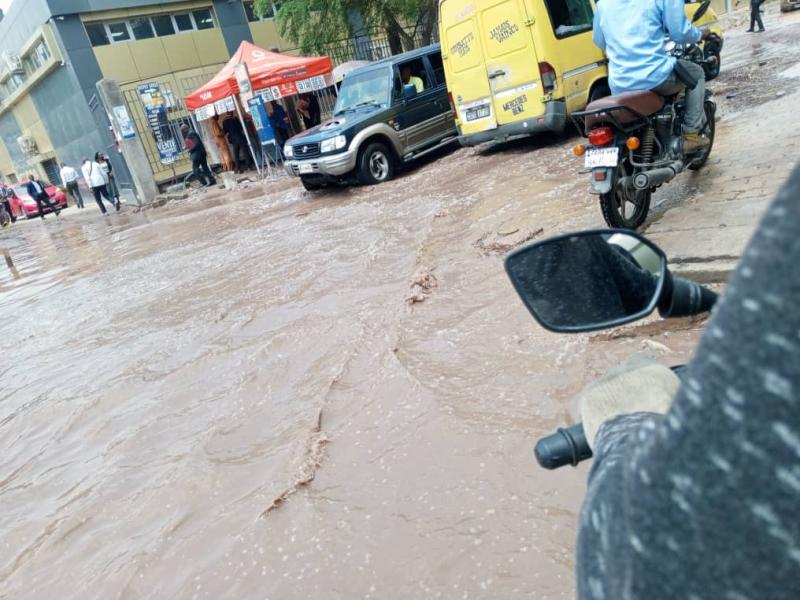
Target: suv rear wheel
x=376, y=164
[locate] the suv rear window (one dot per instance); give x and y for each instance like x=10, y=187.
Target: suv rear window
x=569, y=17
x=438, y=68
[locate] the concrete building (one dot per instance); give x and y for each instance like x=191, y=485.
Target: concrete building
x=53, y=53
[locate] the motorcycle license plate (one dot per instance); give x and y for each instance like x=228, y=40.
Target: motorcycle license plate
x=602, y=157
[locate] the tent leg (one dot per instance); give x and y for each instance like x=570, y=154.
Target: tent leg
x=247, y=134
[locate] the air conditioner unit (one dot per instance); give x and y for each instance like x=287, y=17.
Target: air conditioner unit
x=13, y=62
x=28, y=145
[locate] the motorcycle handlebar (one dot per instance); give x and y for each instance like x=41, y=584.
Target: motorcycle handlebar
x=686, y=299
x=568, y=446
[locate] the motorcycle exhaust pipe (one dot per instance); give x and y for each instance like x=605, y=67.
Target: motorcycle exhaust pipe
x=647, y=179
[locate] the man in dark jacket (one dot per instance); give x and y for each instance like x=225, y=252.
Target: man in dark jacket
x=36, y=190
x=236, y=137
x=197, y=152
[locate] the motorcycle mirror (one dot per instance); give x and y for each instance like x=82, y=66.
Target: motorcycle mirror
x=701, y=10
x=589, y=280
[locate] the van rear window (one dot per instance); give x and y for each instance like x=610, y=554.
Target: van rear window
x=570, y=17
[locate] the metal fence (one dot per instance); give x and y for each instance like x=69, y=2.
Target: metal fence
x=167, y=128
x=375, y=46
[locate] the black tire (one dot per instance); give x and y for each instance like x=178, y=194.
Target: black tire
x=376, y=164
x=616, y=203
x=710, y=130
x=600, y=90
x=311, y=184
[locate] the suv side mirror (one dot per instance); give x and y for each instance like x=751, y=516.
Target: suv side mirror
x=409, y=91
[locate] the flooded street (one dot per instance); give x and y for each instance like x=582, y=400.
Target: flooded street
x=173, y=378
x=289, y=395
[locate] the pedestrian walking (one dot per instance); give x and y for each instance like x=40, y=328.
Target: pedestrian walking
x=6, y=193
x=36, y=190
x=197, y=152
x=69, y=177
x=236, y=138
x=755, y=16
x=105, y=164
x=96, y=179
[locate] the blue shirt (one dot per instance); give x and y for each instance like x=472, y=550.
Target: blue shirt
x=631, y=33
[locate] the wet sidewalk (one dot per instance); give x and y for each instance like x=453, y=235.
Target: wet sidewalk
x=754, y=152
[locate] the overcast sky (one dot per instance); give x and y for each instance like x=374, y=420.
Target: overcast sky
x=4, y=4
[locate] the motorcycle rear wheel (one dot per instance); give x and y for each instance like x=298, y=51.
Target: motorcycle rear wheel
x=709, y=130
x=622, y=208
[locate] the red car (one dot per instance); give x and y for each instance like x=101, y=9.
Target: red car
x=23, y=205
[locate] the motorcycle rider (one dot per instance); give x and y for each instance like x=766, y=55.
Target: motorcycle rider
x=701, y=500
x=632, y=36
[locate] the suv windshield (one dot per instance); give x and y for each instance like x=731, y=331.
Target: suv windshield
x=363, y=89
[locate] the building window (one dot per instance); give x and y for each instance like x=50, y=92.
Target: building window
x=97, y=34
x=118, y=32
x=15, y=80
x=184, y=22
x=271, y=12
x=40, y=54
x=163, y=25
x=145, y=28
x=203, y=19
x=142, y=29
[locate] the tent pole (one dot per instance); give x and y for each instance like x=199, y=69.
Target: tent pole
x=247, y=134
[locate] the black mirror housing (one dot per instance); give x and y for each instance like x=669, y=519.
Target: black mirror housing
x=590, y=280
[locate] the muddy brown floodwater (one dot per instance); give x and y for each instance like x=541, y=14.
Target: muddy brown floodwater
x=283, y=395
x=236, y=397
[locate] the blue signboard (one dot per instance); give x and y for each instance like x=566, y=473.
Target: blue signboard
x=258, y=110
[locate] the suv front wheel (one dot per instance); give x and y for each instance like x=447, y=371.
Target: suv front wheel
x=376, y=164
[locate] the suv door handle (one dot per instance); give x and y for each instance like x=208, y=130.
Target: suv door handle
x=496, y=74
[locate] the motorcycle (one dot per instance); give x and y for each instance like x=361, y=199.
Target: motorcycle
x=635, y=139
x=594, y=280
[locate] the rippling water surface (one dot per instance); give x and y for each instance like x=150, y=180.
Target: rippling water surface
x=232, y=398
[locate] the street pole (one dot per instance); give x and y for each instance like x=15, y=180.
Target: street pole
x=247, y=134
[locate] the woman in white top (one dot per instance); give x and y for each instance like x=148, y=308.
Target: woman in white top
x=105, y=164
x=97, y=180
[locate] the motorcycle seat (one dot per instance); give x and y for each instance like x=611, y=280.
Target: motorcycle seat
x=644, y=103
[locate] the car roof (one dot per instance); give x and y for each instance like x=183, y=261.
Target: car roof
x=397, y=58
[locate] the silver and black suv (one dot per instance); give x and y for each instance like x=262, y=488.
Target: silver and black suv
x=387, y=113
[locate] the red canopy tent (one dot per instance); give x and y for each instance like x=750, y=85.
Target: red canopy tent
x=268, y=70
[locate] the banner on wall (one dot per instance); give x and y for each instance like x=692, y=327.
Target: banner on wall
x=124, y=123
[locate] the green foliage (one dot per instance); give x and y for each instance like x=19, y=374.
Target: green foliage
x=314, y=24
